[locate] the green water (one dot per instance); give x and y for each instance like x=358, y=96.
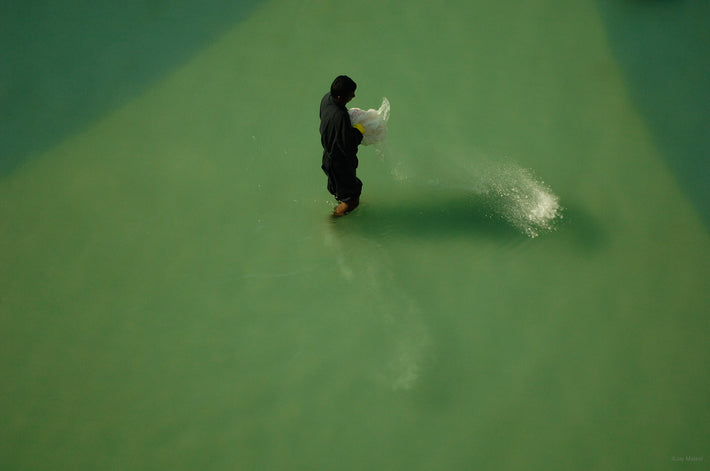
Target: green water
x=173, y=294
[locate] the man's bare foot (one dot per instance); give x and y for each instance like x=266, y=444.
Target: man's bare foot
x=342, y=209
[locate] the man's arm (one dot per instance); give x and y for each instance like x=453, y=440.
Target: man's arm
x=352, y=136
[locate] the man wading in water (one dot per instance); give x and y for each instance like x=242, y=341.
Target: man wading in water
x=340, y=141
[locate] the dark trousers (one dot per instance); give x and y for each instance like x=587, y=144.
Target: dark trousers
x=342, y=180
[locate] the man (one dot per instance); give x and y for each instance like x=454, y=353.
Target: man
x=340, y=141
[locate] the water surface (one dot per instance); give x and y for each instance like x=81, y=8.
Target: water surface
x=174, y=295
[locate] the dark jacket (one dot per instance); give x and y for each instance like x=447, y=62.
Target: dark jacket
x=339, y=138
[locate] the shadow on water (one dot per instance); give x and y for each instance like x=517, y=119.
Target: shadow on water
x=581, y=230
x=472, y=216
x=663, y=48
x=65, y=64
x=463, y=216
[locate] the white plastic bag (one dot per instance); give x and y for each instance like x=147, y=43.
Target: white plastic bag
x=374, y=122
